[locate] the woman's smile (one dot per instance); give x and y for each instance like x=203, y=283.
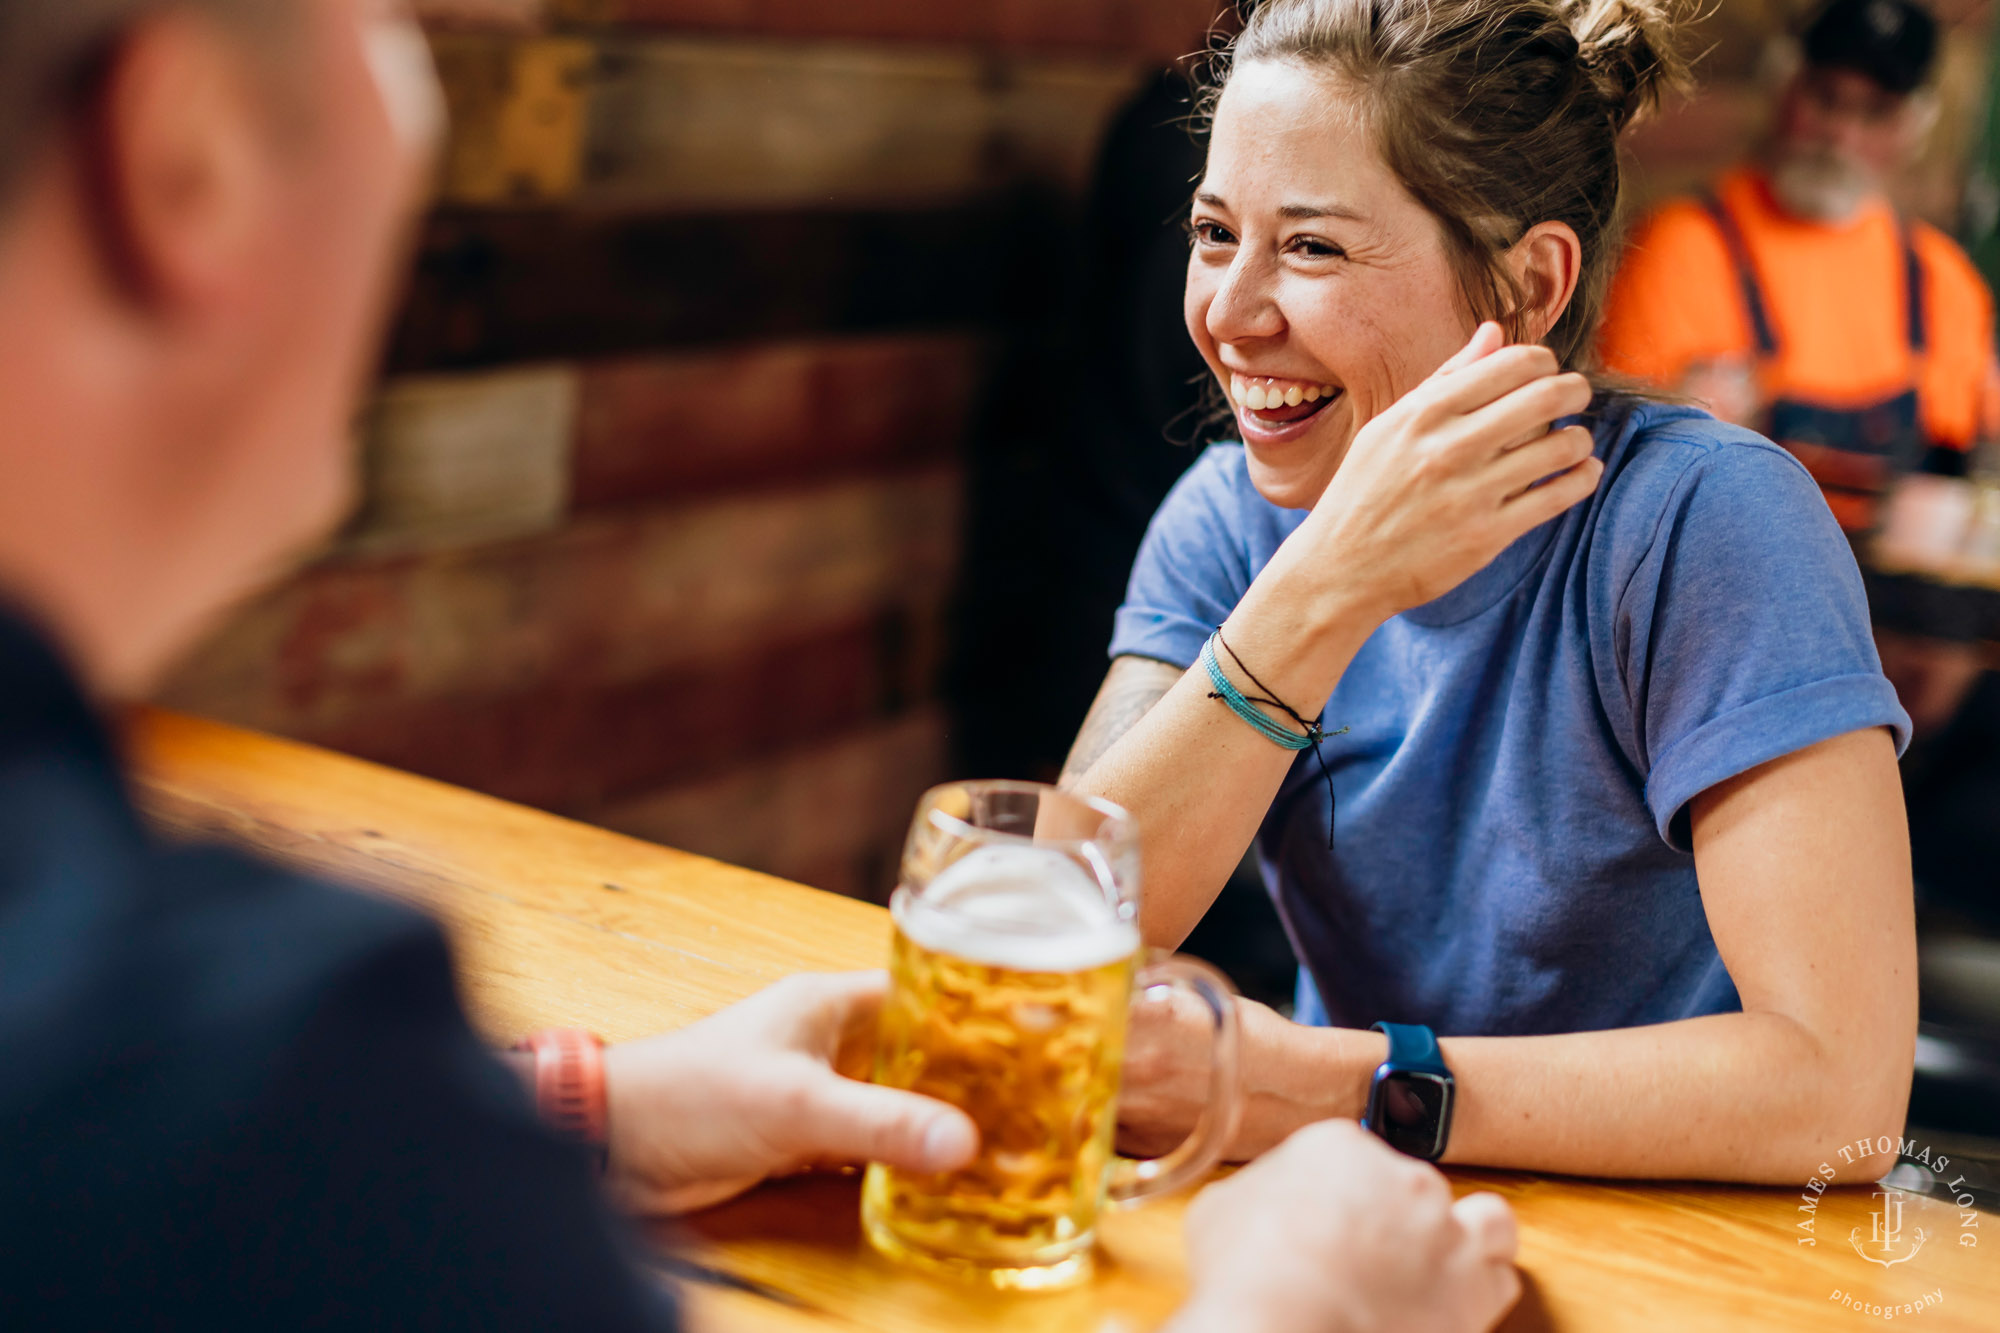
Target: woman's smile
x=1274, y=410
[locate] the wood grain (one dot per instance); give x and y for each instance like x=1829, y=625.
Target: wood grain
x=556, y=922
x=831, y=815
x=702, y=125
x=613, y=598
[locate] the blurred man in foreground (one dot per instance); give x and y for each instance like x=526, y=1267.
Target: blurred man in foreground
x=1793, y=299
x=231, y=1097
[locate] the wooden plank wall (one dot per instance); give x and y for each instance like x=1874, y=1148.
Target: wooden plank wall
x=663, y=485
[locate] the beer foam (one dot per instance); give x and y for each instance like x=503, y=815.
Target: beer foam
x=1029, y=908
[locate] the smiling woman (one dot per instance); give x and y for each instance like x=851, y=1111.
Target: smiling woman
x=1587, y=678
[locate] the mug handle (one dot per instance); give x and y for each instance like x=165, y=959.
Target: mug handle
x=1133, y=1180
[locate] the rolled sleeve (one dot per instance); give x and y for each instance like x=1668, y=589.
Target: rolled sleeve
x=1762, y=730
x=1746, y=630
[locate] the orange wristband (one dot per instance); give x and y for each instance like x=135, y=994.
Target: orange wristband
x=569, y=1083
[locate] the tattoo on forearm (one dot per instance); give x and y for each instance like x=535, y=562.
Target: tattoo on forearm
x=1128, y=694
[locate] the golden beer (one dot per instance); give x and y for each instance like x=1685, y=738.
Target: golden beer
x=1011, y=977
x=1032, y=1054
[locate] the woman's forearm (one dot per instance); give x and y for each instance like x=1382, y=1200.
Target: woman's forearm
x=1753, y=1096
x=1199, y=779
x=1742, y=1096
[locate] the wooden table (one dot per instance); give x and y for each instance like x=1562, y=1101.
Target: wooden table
x=559, y=923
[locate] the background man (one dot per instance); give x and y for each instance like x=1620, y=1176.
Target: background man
x=231, y=1097
x=1793, y=299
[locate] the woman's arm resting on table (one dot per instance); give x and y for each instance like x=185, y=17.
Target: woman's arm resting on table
x=1804, y=866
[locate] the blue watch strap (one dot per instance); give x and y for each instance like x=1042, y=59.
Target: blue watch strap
x=1413, y=1047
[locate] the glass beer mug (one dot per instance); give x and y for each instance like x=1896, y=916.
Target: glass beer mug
x=1015, y=961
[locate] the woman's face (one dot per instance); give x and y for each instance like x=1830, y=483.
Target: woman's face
x=1318, y=290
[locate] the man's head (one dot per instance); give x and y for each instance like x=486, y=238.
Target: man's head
x=1854, y=112
x=200, y=204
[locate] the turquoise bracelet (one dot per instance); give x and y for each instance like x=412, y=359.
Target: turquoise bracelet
x=1265, y=726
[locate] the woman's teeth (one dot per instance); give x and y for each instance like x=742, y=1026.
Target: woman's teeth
x=1265, y=397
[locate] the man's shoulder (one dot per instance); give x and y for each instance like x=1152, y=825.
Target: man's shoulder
x=1676, y=257
x=1946, y=261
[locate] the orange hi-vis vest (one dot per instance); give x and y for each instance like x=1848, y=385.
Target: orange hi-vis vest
x=1872, y=340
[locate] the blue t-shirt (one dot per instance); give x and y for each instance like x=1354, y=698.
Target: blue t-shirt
x=1512, y=854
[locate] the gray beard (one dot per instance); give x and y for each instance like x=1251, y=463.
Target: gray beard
x=1820, y=187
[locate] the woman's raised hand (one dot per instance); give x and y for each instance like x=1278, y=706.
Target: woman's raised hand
x=1443, y=481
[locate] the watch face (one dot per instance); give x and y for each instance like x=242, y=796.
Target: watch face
x=1412, y=1112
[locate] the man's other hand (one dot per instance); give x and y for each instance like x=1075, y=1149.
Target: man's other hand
x=1334, y=1230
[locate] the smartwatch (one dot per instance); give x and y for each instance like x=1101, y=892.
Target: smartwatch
x=1410, y=1101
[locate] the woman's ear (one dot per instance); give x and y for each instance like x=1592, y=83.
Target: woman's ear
x=1547, y=262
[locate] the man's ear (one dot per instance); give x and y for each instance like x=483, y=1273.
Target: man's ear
x=184, y=172
x=1547, y=263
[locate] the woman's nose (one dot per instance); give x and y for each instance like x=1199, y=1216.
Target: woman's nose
x=1246, y=304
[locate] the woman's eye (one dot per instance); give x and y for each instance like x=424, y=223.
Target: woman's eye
x=1208, y=233
x=1314, y=248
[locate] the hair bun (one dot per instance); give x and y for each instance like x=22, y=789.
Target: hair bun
x=1626, y=47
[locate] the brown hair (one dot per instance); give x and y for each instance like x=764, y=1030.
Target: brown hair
x=1495, y=115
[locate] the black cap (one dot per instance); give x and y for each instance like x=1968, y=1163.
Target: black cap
x=1891, y=41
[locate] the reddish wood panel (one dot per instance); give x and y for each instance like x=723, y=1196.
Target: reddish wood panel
x=568, y=745
x=669, y=427
x=493, y=287
x=610, y=600
x=1158, y=28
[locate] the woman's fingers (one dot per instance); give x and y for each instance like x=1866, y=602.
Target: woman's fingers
x=1538, y=504
x=1525, y=414
x=1485, y=341
x=1555, y=451
x=1471, y=387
